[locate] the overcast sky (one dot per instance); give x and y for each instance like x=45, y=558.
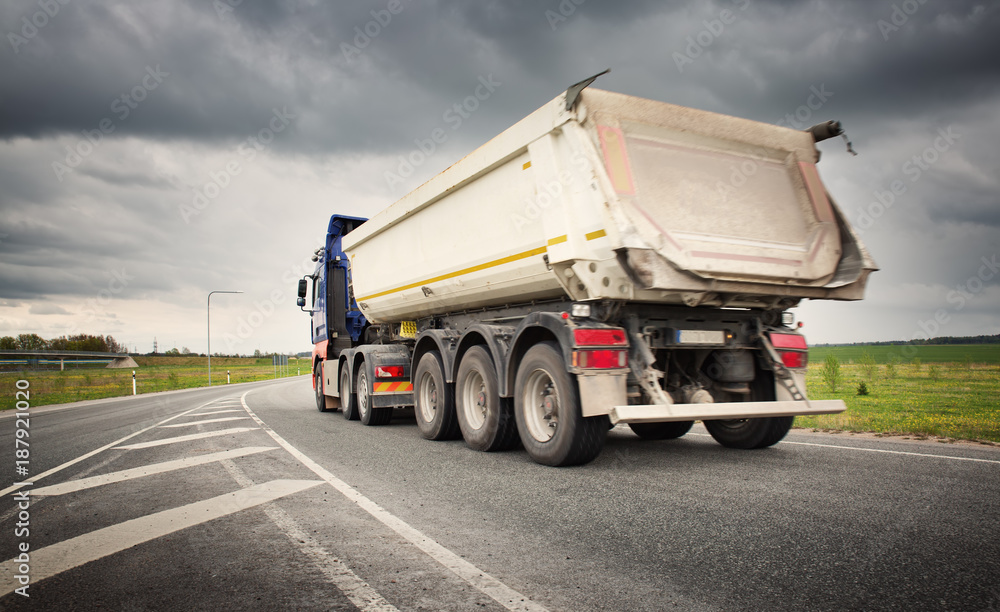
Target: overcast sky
x=151, y=152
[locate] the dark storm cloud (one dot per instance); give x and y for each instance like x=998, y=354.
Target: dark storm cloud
x=229, y=69
x=157, y=97
x=93, y=61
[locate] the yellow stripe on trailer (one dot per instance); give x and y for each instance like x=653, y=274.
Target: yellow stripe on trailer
x=484, y=266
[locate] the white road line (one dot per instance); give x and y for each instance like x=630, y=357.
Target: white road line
x=892, y=452
x=58, y=468
x=487, y=584
x=219, y=420
x=878, y=450
x=147, y=470
x=216, y=412
x=90, y=469
x=336, y=571
x=197, y=436
x=51, y=560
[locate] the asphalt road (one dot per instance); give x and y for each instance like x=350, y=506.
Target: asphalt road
x=289, y=508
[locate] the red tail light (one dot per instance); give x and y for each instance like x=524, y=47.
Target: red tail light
x=388, y=371
x=600, y=337
x=599, y=359
x=797, y=358
x=792, y=341
x=794, y=359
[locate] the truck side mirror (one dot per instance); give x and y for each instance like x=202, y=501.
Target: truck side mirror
x=301, y=302
x=303, y=287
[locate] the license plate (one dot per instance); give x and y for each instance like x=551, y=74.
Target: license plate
x=700, y=336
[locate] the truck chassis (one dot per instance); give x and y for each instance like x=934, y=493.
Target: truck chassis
x=554, y=376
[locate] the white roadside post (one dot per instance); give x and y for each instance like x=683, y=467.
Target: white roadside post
x=227, y=377
x=209, y=322
x=133, y=382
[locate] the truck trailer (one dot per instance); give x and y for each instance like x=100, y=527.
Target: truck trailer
x=607, y=259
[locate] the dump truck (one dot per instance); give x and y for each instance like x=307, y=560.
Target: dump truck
x=608, y=259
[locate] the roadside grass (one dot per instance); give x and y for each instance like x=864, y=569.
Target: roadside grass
x=157, y=373
x=948, y=391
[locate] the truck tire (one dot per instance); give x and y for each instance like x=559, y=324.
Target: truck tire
x=486, y=419
x=348, y=400
x=433, y=402
x=750, y=433
x=318, y=383
x=661, y=431
x=369, y=415
x=547, y=409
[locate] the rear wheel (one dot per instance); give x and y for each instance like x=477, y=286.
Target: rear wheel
x=348, y=400
x=750, y=433
x=485, y=418
x=434, y=404
x=547, y=408
x=661, y=431
x=318, y=383
x=369, y=414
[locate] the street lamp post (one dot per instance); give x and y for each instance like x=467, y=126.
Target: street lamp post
x=209, y=321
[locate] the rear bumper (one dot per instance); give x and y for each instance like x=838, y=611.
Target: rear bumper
x=391, y=400
x=728, y=410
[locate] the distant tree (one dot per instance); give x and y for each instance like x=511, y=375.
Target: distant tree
x=257, y=353
x=173, y=351
x=113, y=346
x=78, y=342
x=831, y=372
x=890, y=366
x=87, y=342
x=31, y=342
x=185, y=351
x=59, y=344
x=868, y=366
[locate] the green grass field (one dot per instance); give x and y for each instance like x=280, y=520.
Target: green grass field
x=941, y=353
x=947, y=391
x=158, y=373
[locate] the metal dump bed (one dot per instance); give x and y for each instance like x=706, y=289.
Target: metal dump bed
x=620, y=198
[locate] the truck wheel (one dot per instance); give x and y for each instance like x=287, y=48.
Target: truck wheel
x=486, y=419
x=547, y=408
x=318, y=380
x=369, y=414
x=348, y=400
x=661, y=431
x=434, y=405
x=750, y=433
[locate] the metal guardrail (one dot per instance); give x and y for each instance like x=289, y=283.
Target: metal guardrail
x=59, y=354
x=9, y=357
